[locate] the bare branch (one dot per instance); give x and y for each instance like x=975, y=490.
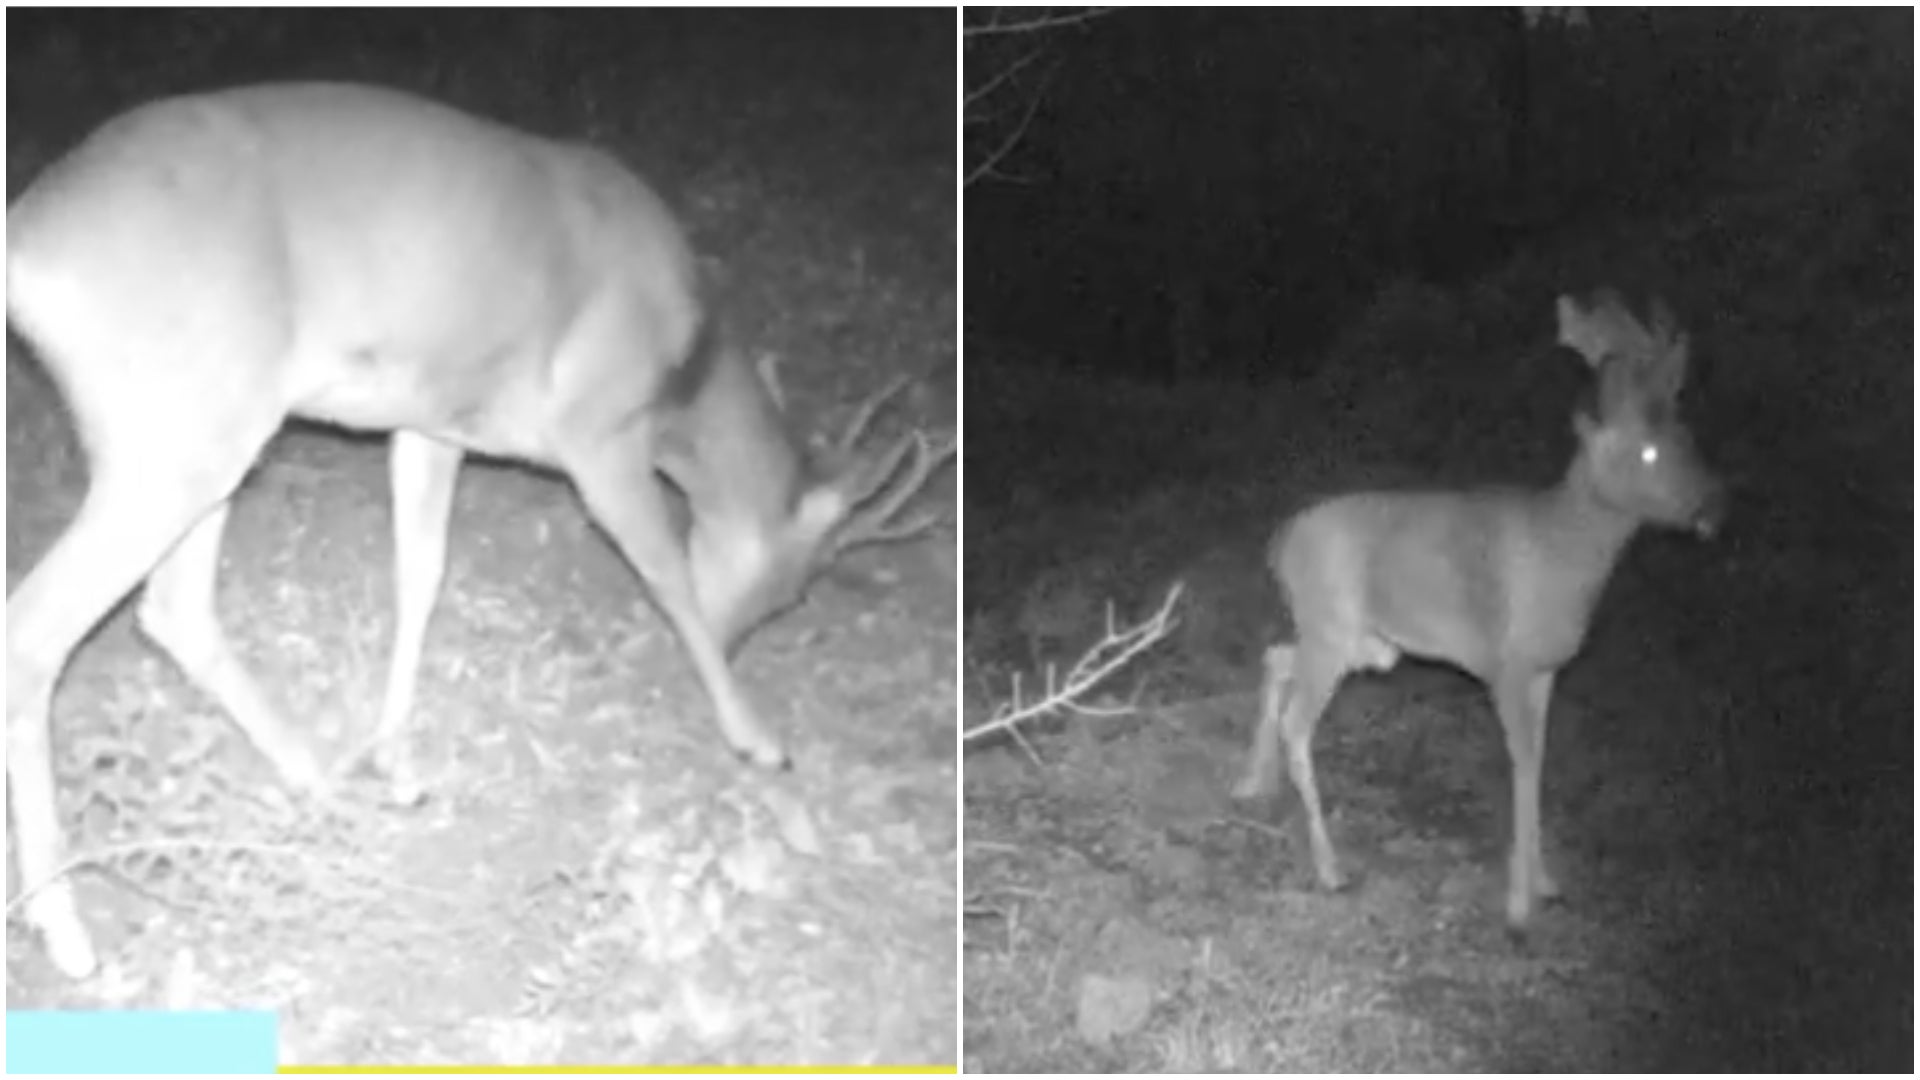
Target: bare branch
x=998, y=77
x=989, y=164
x=1109, y=655
x=864, y=413
x=873, y=522
x=978, y=94
x=879, y=486
x=1001, y=23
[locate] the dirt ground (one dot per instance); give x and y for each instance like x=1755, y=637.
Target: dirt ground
x=594, y=879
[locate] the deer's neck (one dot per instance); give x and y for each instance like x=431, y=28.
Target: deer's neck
x=1581, y=530
x=730, y=450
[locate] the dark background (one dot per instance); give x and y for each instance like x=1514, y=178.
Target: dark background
x=1274, y=170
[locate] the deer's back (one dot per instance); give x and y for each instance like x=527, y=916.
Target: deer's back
x=362, y=255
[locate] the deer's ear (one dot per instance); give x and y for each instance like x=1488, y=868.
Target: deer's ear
x=1585, y=424
x=767, y=366
x=1577, y=331
x=1660, y=315
x=1674, y=364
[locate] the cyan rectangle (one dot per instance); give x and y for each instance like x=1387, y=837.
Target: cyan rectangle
x=142, y=1042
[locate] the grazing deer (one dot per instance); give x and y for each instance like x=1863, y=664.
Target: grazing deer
x=203, y=268
x=1501, y=583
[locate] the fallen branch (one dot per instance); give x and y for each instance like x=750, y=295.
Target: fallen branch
x=1109, y=655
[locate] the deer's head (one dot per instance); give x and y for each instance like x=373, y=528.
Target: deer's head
x=769, y=515
x=1639, y=452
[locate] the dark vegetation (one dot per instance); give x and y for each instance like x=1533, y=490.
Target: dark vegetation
x=594, y=879
x=1246, y=259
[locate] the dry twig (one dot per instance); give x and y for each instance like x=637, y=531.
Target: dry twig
x=1107, y=656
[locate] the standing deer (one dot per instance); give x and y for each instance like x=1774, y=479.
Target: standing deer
x=201, y=269
x=1501, y=583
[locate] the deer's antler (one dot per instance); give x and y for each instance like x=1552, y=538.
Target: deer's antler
x=879, y=486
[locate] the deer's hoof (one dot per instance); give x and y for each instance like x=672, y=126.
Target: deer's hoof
x=1254, y=786
x=770, y=756
x=1518, y=936
x=1519, y=913
x=300, y=771
x=69, y=947
x=1544, y=886
x=404, y=790
x=1328, y=875
x=71, y=952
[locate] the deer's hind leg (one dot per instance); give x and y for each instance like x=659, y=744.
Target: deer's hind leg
x=1262, y=776
x=1297, y=684
x=179, y=613
x=1317, y=672
x=136, y=509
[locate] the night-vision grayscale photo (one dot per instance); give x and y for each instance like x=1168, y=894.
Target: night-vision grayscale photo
x=1437, y=531
x=483, y=542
